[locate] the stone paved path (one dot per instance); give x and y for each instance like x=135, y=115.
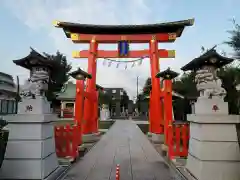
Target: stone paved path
x=123, y=144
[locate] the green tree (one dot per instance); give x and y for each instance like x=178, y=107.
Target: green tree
x=124, y=99
x=230, y=76
x=147, y=87
x=185, y=85
x=59, y=76
x=234, y=39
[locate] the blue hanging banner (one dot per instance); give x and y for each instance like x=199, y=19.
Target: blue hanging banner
x=123, y=48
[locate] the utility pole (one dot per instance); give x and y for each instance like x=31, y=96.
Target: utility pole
x=137, y=86
x=137, y=95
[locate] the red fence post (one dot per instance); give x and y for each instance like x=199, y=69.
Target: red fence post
x=67, y=140
x=60, y=141
x=185, y=139
x=75, y=139
x=170, y=142
x=57, y=142
x=177, y=140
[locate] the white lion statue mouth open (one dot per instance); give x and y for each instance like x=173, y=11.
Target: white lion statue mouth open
x=208, y=84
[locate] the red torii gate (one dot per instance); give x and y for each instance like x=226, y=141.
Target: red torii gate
x=152, y=34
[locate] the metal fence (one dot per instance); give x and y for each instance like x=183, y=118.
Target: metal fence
x=8, y=107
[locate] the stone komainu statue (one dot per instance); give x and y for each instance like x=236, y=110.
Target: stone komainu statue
x=209, y=84
x=36, y=85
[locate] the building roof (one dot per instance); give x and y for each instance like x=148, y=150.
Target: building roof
x=211, y=57
x=8, y=93
x=167, y=27
x=35, y=59
x=98, y=87
x=6, y=75
x=6, y=79
x=70, y=91
x=7, y=85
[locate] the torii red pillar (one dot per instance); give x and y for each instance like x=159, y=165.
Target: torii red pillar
x=156, y=118
x=89, y=126
x=95, y=122
x=150, y=112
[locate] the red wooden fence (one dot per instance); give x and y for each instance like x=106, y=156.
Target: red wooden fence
x=178, y=138
x=67, y=139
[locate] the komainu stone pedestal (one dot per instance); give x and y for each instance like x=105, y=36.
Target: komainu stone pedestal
x=214, y=152
x=30, y=152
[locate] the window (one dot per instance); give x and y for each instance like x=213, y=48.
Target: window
x=4, y=106
x=121, y=92
x=14, y=107
x=69, y=105
x=10, y=107
x=114, y=91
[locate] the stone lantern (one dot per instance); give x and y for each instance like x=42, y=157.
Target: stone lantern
x=80, y=77
x=213, y=145
x=166, y=98
x=31, y=152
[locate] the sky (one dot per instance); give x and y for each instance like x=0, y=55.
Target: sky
x=26, y=24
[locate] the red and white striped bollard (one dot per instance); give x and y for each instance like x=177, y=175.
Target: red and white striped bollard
x=118, y=172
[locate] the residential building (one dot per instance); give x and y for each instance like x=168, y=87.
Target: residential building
x=119, y=101
x=8, y=93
